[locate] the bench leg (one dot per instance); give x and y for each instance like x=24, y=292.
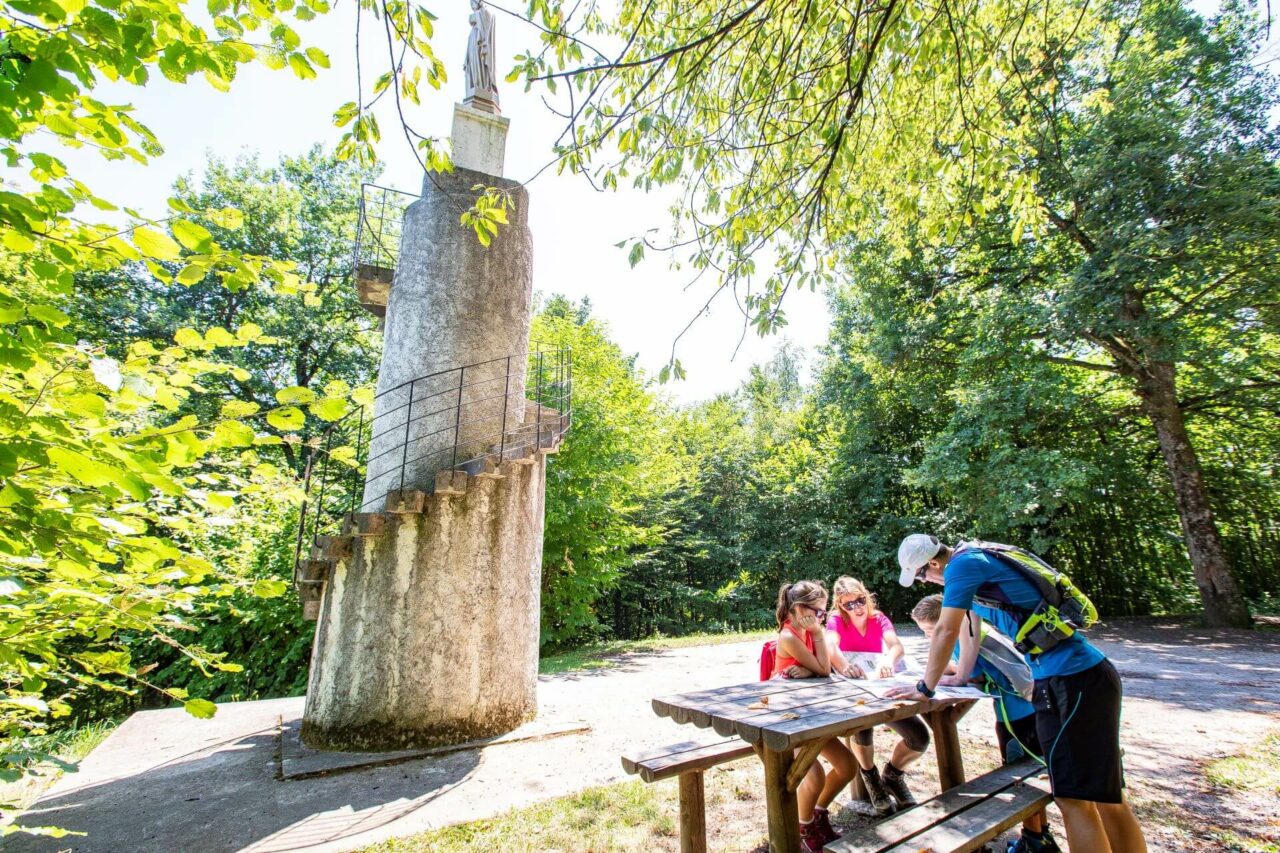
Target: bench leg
x=693, y=813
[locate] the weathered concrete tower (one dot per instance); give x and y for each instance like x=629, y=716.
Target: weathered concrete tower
x=428, y=622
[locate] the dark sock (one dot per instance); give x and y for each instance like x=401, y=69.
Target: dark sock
x=890, y=770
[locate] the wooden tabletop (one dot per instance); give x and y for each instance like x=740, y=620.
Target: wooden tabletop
x=797, y=710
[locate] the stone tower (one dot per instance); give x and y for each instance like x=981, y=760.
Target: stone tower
x=428, y=597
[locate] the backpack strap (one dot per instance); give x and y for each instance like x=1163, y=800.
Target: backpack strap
x=1019, y=560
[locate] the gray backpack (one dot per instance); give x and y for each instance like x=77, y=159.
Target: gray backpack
x=999, y=651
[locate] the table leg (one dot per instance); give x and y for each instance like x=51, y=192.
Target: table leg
x=946, y=745
x=784, y=817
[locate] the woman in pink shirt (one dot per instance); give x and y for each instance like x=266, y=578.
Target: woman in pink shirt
x=857, y=626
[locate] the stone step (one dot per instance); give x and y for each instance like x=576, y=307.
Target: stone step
x=331, y=548
x=483, y=469
x=451, y=483
x=406, y=501
x=314, y=572
x=364, y=524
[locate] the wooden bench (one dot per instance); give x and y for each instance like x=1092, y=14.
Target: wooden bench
x=960, y=820
x=689, y=761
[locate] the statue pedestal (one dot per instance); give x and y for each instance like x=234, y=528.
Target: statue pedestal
x=479, y=140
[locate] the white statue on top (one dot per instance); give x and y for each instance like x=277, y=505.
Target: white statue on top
x=482, y=87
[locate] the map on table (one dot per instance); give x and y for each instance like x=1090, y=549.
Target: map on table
x=880, y=686
x=870, y=663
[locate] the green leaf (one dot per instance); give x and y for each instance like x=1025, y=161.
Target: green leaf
x=191, y=274
x=153, y=244
x=636, y=255
x=188, y=339
x=318, y=56
x=48, y=314
x=270, y=588
x=200, y=708
x=192, y=235
x=295, y=394
x=288, y=419
x=330, y=408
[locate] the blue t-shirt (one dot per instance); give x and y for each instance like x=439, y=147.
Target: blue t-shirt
x=972, y=571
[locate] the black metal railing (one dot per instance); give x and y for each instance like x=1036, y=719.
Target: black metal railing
x=379, y=225
x=465, y=419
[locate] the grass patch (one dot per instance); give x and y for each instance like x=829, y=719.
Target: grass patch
x=68, y=746
x=600, y=655
x=626, y=817
x=1256, y=770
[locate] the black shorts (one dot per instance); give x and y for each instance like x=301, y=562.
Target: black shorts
x=1017, y=738
x=1078, y=721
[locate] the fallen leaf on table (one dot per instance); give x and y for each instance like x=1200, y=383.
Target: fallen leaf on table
x=861, y=702
x=790, y=716
x=757, y=706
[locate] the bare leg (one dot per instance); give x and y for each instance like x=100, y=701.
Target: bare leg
x=1037, y=822
x=841, y=772
x=1085, y=831
x=866, y=755
x=903, y=755
x=1122, y=828
x=810, y=787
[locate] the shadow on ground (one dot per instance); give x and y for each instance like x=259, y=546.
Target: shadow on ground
x=225, y=794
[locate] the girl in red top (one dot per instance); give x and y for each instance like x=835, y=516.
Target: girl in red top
x=802, y=653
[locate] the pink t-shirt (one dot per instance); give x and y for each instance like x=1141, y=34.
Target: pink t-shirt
x=852, y=641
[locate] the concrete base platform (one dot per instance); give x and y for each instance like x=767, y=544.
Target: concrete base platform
x=298, y=761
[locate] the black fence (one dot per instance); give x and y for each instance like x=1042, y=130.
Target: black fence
x=464, y=420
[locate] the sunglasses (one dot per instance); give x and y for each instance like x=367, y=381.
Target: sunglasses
x=857, y=602
x=820, y=615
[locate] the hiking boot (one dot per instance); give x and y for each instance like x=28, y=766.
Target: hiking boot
x=811, y=837
x=822, y=820
x=880, y=800
x=1029, y=843
x=895, y=781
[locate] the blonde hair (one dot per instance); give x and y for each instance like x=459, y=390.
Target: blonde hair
x=846, y=585
x=928, y=609
x=800, y=592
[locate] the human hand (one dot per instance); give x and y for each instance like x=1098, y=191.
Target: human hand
x=904, y=693
x=953, y=681
x=797, y=671
x=886, y=671
x=856, y=671
x=807, y=622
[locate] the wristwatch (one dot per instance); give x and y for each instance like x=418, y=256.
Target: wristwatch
x=923, y=688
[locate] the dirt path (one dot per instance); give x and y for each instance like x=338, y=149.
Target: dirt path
x=165, y=782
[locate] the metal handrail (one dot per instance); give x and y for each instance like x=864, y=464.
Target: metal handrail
x=335, y=489
x=378, y=226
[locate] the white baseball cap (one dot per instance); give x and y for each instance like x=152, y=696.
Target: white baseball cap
x=916, y=550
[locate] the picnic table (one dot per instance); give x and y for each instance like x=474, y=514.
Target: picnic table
x=789, y=727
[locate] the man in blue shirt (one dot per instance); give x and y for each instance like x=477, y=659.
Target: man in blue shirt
x=1077, y=690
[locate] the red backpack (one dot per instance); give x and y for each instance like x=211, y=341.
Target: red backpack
x=768, y=654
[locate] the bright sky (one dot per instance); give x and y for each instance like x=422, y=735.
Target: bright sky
x=273, y=113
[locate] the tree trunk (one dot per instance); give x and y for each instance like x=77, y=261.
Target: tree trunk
x=1224, y=605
